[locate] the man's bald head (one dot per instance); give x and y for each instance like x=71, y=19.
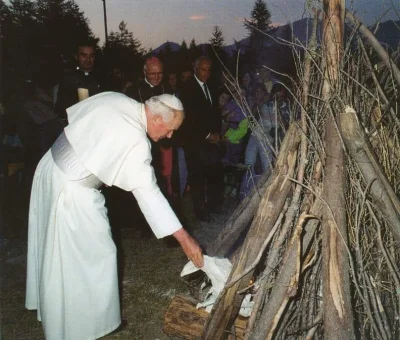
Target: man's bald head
x=153, y=70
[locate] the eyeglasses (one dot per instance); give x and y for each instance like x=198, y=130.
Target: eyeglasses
x=153, y=74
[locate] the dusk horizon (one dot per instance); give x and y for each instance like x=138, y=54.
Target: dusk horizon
x=154, y=23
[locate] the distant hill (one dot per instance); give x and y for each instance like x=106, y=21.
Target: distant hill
x=388, y=34
x=173, y=45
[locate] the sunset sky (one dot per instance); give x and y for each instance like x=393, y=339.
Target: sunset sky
x=156, y=21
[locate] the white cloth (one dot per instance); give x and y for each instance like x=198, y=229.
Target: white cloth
x=72, y=269
x=217, y=270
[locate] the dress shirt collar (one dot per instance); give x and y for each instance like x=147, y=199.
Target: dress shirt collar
x=199, y=81
x=202, y=87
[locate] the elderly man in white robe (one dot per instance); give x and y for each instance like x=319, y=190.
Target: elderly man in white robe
x=72, y=267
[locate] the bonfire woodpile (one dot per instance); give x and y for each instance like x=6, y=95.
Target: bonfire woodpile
x=322, y=230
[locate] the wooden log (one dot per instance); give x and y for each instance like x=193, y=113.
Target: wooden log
x=363, y=154
x=183, y=320
x=228, y=303
x=338, y=314
x=287, y=281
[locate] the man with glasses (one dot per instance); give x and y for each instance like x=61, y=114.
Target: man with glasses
x=151, y=85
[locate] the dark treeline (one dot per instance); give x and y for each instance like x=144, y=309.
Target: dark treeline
x=39, y=39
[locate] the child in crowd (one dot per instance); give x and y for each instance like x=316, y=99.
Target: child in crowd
x=265, y=122
x=234, y=129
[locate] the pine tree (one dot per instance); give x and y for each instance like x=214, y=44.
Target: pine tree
x=217, y=40
x=184, y=46
x=123, y=50
x=260, y=22
x=192, y=45
x=125, y=39
x=49, y=29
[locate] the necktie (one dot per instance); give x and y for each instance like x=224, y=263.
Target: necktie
x=206, y=92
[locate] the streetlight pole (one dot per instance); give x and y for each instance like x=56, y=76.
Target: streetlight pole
x=105, y=20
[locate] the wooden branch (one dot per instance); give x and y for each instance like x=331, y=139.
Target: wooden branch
x=259, y=255
x=228, y=303
x=376, y=45
x=284, y=288
x=378, y=86
x=381, y=191
x=265, y=279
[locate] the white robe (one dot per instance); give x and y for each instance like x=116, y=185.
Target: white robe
x=72, y=269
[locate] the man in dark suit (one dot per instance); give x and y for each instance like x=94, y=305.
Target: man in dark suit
x=201, y=133
x=83, y=77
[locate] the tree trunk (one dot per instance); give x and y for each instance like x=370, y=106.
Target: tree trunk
x=338, y=314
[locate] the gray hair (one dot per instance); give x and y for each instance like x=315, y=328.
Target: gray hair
x=158, y=108
x=201, y=59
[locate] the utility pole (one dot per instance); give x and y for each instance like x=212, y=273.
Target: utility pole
x=105, y=20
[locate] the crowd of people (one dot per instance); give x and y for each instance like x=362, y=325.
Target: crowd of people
x=227, y=128
x=159, y=136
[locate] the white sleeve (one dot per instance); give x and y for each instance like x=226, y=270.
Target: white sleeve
x=157, y=211
x=137, y=175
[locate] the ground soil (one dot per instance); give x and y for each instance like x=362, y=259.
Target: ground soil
x=151, y=275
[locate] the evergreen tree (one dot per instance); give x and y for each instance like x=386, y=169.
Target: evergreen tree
x=217, y=40
x=42, y=34
x=184, y=46
x=123, y=51
x=215, y=50
x=63, y=25
x=194, y=52
x=260, y=18
x=260, y=22
x=124, y=38
x=186, y=56
x=192, y=45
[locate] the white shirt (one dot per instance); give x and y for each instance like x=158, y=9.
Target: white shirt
x=202, y=87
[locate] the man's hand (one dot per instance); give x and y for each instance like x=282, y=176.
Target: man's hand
x=213, y=137
x=190, y=247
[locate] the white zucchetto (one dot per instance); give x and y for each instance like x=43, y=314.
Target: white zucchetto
x=171, y=101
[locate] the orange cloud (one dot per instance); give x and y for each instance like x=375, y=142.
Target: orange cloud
x=197, y=17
